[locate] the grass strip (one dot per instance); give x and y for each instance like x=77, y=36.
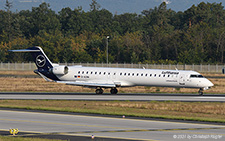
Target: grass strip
x=7, y=138
x=192, y=111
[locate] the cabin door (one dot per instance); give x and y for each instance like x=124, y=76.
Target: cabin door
x=182, y=79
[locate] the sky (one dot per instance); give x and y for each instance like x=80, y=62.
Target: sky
x=114, y=6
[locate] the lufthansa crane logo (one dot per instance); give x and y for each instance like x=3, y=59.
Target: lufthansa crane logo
x=40, y=61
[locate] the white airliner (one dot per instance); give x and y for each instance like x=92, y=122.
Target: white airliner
x=101, y=78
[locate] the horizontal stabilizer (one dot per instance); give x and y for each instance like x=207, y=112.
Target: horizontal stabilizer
x=24, y=50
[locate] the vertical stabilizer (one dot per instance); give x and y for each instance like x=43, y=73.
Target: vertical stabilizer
x=42, y=62
x=39, y=57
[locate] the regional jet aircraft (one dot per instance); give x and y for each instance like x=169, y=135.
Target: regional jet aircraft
x=101, y=78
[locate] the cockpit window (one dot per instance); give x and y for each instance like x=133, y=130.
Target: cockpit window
x=196, y=76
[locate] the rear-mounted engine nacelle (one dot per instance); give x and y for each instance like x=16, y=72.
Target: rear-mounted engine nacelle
x=59, y=70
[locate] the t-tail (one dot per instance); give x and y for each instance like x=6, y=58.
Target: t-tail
x=42, y=62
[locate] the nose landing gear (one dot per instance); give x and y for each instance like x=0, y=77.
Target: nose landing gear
x=200, y=92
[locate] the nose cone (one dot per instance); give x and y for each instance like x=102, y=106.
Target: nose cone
x=210, y=84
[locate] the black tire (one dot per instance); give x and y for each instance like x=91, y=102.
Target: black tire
x=200, y=92
x=114, y=91
x=99, y=91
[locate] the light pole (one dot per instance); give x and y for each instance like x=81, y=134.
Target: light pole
x=107, y=50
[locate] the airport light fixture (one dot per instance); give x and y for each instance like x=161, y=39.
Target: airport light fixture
x=107, y=50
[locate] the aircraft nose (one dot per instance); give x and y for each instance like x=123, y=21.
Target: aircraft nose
x=210, y=84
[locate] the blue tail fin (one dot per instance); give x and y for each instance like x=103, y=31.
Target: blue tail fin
x=42, y=62
x=39, y=57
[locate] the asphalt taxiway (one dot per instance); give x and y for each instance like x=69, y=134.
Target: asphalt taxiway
x=82, y=127
x=119, y=97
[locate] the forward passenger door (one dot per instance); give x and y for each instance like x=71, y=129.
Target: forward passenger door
x=182, y=79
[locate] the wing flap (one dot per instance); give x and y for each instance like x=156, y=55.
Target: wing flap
x=89, y=84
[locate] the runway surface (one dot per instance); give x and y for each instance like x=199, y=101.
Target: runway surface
x=120, y=97
x=68, y=126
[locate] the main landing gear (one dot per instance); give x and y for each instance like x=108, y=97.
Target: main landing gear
x=200, y=92
x=99, y=91
x=112, y=91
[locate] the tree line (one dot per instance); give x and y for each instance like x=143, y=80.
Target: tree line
x=157, y=35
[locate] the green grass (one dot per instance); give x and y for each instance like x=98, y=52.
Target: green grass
x=194, y=111
x=7, y=138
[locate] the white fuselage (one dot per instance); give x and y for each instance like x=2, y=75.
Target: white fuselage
x=95, y=77
x=125, y=77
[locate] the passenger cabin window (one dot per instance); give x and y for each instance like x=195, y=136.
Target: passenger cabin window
x=78, y=72
x=142, y=74
x=99, y=72
x=121, y=73
x=104, y=73
x=146, y=74
x=87, y=72
x=150, y=75
x=137, y=74
x=95, y=72
x=155, y=75
x=196, y=76
x=82, y=72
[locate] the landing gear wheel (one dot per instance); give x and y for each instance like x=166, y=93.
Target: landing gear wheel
x=200, y=92
x=113, y=91
x=99, y=91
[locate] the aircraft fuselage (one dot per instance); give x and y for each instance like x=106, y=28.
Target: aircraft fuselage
x=124, y=77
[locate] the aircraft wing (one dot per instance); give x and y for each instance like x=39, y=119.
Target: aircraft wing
x=108, y=84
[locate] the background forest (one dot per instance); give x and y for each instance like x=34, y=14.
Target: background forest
x=158, y=35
